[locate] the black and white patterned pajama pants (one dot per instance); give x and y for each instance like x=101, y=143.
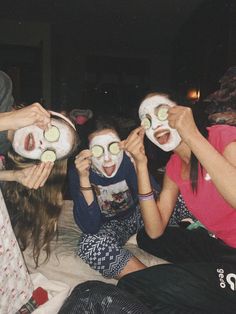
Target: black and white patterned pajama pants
x=104, y=251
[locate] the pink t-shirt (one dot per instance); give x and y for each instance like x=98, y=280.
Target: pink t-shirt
x=207, y=205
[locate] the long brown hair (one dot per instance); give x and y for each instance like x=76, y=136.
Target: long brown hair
x=34, y=213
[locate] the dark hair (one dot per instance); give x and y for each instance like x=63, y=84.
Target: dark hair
x=95, y=124
x=213, y=110
x=201, y=119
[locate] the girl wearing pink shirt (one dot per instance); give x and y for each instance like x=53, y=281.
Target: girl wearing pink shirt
x=202, y=275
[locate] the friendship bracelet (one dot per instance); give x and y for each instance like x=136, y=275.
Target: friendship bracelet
x=146, y=197
x=85, y=188
x=146, y=194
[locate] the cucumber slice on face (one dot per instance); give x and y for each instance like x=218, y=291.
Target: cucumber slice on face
x=52, y=134
x=162, y=113
x=146, y=123
x=114, y=148
x=48, y=155
x=97, y=151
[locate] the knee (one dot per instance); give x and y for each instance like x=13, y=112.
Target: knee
x=89, y=246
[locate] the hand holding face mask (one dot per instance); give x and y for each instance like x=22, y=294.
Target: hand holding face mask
x=32, y=114
x=181, y=118
x=83, y=163
x=134, y=146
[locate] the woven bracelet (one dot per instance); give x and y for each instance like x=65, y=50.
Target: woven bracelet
x=145, y=194
x=85, y=188
x=147, y=197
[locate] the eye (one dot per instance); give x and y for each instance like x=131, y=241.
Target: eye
x=97, y=151
x=48, y=155
x=114, y=148
x=146, y=123
x=52, y=134
x=162, y=112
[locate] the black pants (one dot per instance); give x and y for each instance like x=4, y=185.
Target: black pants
x=202, y=278
x=96, y=297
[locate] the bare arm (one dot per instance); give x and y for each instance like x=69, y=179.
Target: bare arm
x=155, y=214
x=181, y=118
x=83, y=163
x=33, y=114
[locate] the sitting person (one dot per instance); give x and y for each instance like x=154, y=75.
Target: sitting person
x=103, y=186
x=34, y=212
x=201, y=278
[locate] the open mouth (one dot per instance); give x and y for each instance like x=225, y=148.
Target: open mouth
x=162, y=137
x=29, y=142
x=109, y=170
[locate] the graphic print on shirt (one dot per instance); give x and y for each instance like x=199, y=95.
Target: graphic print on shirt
x=114, y=198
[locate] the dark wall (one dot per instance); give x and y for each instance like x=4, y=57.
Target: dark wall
x=202, y=48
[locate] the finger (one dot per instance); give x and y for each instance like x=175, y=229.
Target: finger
x=138, y=129
x=142, y=133
x=135, y=132
x=26, y=176
x=84, y=154
x=121, y=144
x=36, y=175
x=81, y=158
x=136, y=140
x=41, y=174
x=46, y=174
x=41, y=109
x=133, y=145
x=85, y=165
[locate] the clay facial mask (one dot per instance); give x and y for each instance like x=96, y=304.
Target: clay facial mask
x=153, y=113
x=106, y=153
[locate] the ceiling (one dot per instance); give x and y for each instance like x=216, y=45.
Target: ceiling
x=141, y=24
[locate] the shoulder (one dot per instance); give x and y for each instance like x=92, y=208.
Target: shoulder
x=221, y=135
x=174, y=160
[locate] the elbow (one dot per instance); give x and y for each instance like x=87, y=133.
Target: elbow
x=233, y=204
x=154, y=234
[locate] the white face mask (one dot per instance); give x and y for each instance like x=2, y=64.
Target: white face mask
x=153, y=115
x=107, y=156
x=31, y=141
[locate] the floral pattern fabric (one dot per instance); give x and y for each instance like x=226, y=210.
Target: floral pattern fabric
x=15, y=284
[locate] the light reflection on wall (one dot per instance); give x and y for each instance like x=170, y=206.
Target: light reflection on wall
x=193, y=94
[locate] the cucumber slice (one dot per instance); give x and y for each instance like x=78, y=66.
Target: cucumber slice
x=162, y=113
x=48, y=155
x=146, y=123
x=97, y=151
x=52, y=134
x=114, y=148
